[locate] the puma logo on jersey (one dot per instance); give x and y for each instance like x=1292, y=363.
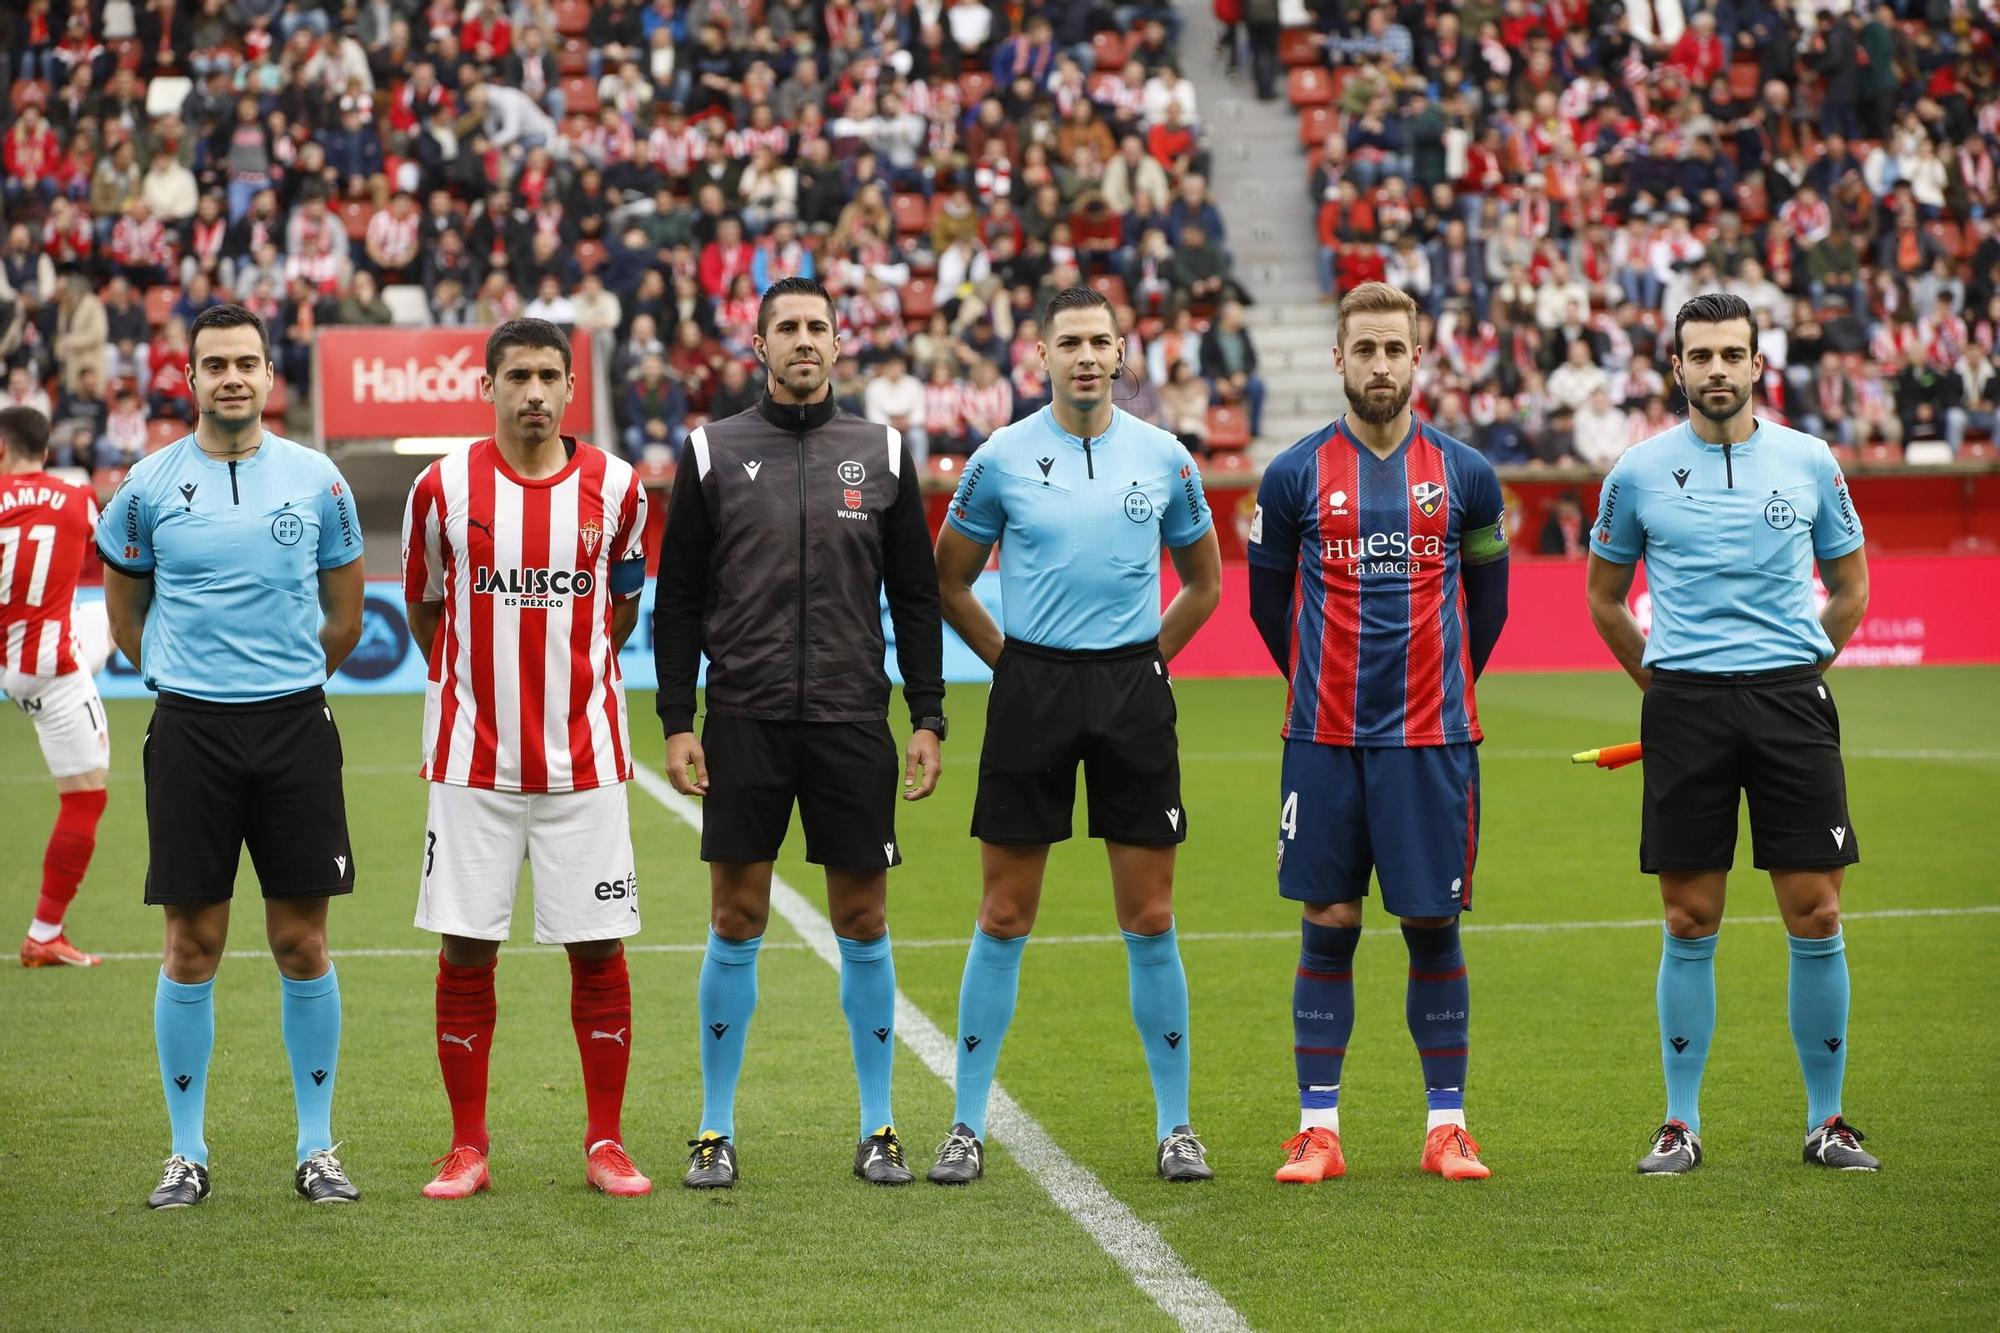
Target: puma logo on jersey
x=1839, y=836
x=472, y=522
x=455, y=1040
x=1174, y=818
x=752, y=466
x=618, y=1036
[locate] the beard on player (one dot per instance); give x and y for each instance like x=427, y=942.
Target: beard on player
x=1377, y=403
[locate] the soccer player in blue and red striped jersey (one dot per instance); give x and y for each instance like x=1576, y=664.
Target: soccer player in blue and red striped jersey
x=1378, y=579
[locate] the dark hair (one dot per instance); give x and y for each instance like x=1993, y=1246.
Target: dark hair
x=1714, y=308
x=24, y=432
x=1077, y=298
x=794, y=287
x=524, y=333
x=228, y=316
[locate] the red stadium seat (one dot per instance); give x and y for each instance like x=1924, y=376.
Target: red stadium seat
x=163, y=431
x=974, y=85
x=580, y=96
x=280, y=399
x=1881, y=453
x=572, y=17
x=1110, y=48
x=1228, y=428
x=1309, y=86
x=919, y=300
x=912, y=213
x=1743, y=80
x=354, y=215
x=160, y=304
x=1299, y=46
x=128, y=52
x=590, y=255
x=573, y=57
x=105, y=480
x=1315, y=123
x=1112, y=288
x=1978, y=451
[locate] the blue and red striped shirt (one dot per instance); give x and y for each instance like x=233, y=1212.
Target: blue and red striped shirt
x=1379, y=654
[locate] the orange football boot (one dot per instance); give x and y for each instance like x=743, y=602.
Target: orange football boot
x=464, y=1175
x=1312, y=1155
x=58, y=952
x=607, y=1168
x=1450, y=1152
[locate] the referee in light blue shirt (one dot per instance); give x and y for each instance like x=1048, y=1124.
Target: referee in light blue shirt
x=1730, y=513
x=233, y=581
x=1080, y=498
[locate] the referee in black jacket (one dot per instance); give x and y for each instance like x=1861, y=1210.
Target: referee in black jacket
x=787, y=523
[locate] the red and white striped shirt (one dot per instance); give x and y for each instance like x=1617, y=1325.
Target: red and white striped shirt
x=395, y=237
x=45, y=527
x=525, y=693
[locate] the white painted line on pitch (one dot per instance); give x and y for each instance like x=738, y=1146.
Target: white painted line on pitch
x=1136, y=1247
x=1190, y=937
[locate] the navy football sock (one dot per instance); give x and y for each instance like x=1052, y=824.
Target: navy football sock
x=1436, y=1005
x=1322, y=1018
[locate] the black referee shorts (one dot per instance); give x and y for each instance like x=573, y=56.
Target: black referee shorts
x=845, y=777
x=220, y=777
x=1051, y=709
x=1774, y=736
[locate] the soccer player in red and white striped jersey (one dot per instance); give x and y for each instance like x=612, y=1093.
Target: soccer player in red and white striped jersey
x=523, y=559
x=46, y=668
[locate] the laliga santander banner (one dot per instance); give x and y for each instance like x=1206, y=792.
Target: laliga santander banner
x=378, y=382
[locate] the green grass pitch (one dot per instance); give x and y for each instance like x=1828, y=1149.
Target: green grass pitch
x=1565, y=1082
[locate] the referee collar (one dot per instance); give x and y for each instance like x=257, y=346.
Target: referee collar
x=797, y=418
x=1755, y=435
x=1048, y=415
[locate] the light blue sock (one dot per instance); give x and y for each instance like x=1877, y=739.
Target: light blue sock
x=310, y=1016
x=726, y=997
x=1818, y=1005
x=985, y=1009
x=184, y=1033
x=1686, y=997
x=1160, y=1010
x=868, y=998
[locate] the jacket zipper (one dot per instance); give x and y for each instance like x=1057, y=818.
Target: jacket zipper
x=804, y=555
x=1089, y=467
x=234, y=497
x=1728, y=468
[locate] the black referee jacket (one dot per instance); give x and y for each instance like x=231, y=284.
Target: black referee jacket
x=787, y=524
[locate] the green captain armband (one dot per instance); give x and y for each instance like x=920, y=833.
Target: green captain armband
x=1485, y=545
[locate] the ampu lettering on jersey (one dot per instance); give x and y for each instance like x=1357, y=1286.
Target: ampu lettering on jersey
x=531, y=587
x=47, y=496
x=446, y=379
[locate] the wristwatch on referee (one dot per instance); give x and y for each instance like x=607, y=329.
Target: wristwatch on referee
x=936, y=724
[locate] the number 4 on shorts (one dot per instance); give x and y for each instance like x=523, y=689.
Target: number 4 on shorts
x=1288, y=818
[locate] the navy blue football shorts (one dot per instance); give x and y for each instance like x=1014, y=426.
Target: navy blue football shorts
x=1411, y=816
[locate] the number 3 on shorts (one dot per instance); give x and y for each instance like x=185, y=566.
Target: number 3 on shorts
x=430, y=851
x=1288, y=818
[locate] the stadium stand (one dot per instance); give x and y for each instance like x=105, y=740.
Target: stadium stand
x=1540, y=175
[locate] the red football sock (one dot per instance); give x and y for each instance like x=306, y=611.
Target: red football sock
x=600, y=1008
x=466, y=1011
x=68, y=856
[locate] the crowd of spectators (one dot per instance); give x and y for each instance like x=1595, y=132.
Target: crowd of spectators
x=641, y=169
x=1551, y=180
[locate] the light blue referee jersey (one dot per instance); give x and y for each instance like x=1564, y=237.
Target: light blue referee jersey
x=234, y=550
x=1729, y=536
x=1080, y=523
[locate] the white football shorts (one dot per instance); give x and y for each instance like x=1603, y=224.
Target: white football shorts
x=579, y=844
x=68, y=715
